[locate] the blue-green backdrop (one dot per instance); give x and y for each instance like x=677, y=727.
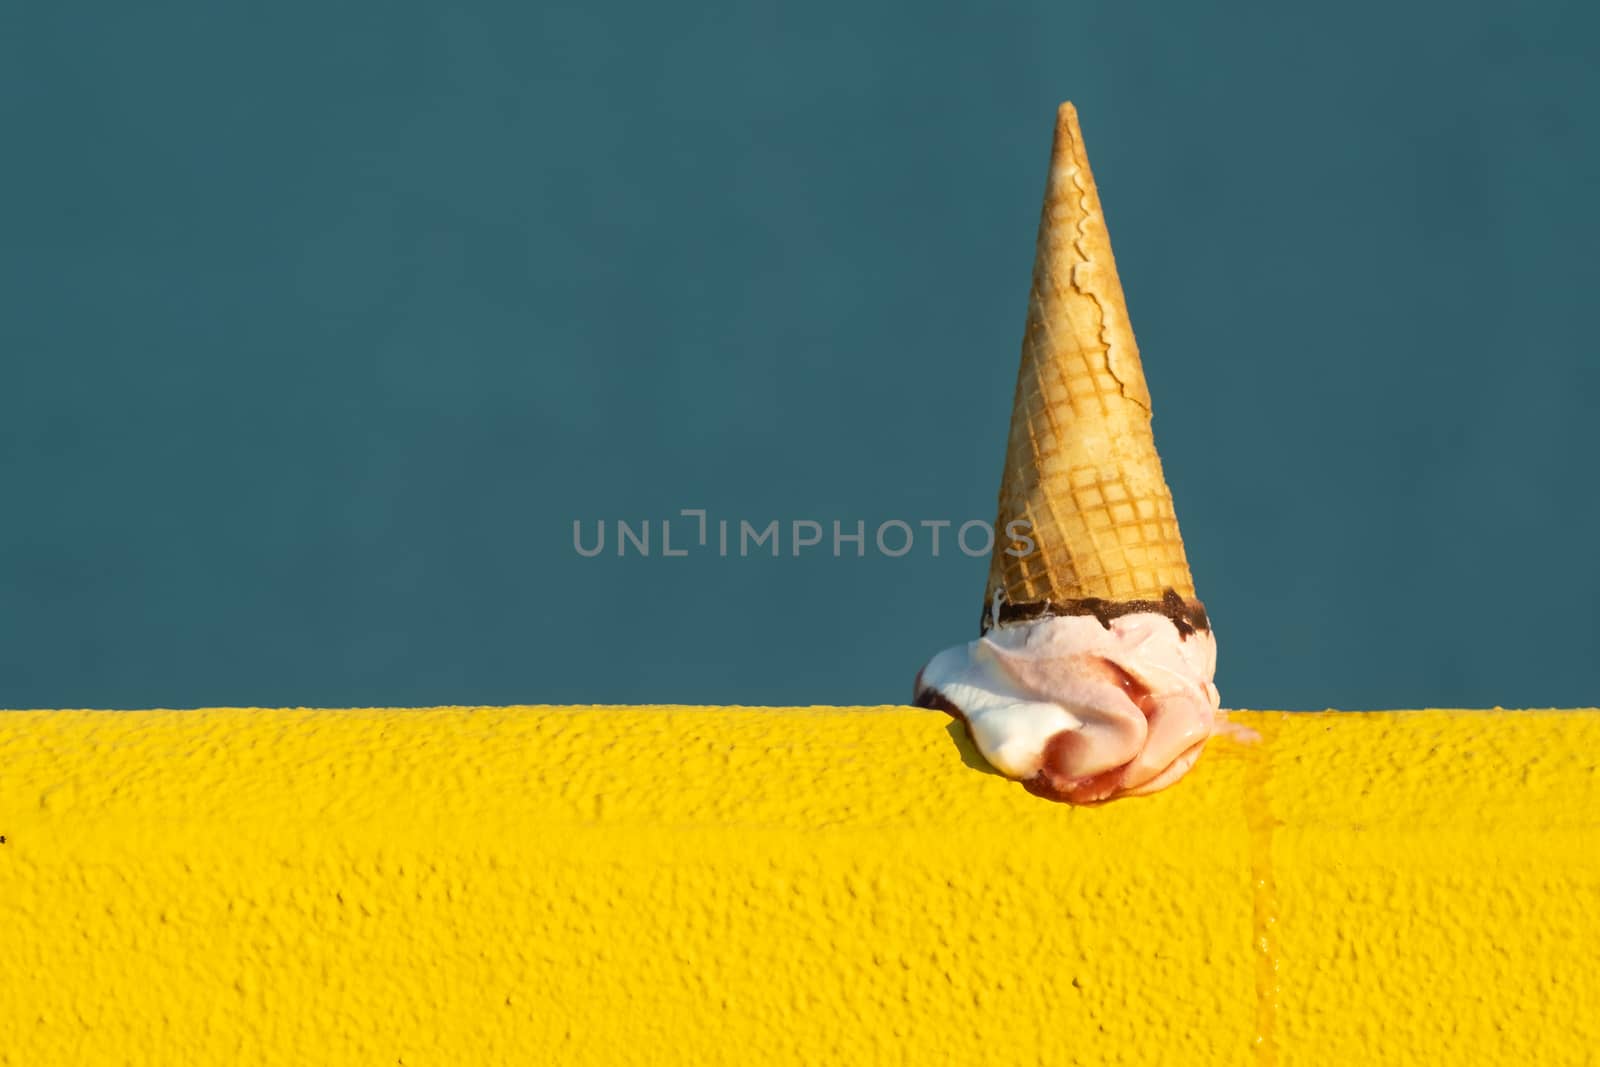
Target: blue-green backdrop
x=322, y=323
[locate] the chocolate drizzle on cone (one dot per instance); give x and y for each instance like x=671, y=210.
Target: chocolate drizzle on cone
x=1189, y=616
x=1081, y=469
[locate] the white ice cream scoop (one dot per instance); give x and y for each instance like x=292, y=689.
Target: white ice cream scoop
x=1081, y=710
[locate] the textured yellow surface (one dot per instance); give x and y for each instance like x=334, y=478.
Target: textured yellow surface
x=737, y=886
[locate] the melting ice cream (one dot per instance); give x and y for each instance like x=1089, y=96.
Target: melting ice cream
x=1079, y=709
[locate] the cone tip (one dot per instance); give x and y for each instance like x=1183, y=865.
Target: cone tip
x=1069, y=136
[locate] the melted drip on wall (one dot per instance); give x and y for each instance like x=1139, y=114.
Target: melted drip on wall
x=1261, y=824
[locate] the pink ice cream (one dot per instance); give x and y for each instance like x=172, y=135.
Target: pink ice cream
x=1080, y=709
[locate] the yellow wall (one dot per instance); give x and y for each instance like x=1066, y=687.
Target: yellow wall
x=795, y=886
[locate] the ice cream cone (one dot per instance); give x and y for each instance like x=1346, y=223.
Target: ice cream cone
x=1082, y=480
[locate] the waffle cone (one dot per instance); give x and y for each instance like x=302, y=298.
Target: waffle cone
x=1081, y=466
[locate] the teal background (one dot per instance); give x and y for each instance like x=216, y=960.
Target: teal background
x=322, y=323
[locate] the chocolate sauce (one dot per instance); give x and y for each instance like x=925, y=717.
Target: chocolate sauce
x=1188, y=616
x=933, y=700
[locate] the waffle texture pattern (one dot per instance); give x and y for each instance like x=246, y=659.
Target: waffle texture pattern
x=1081, y=466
